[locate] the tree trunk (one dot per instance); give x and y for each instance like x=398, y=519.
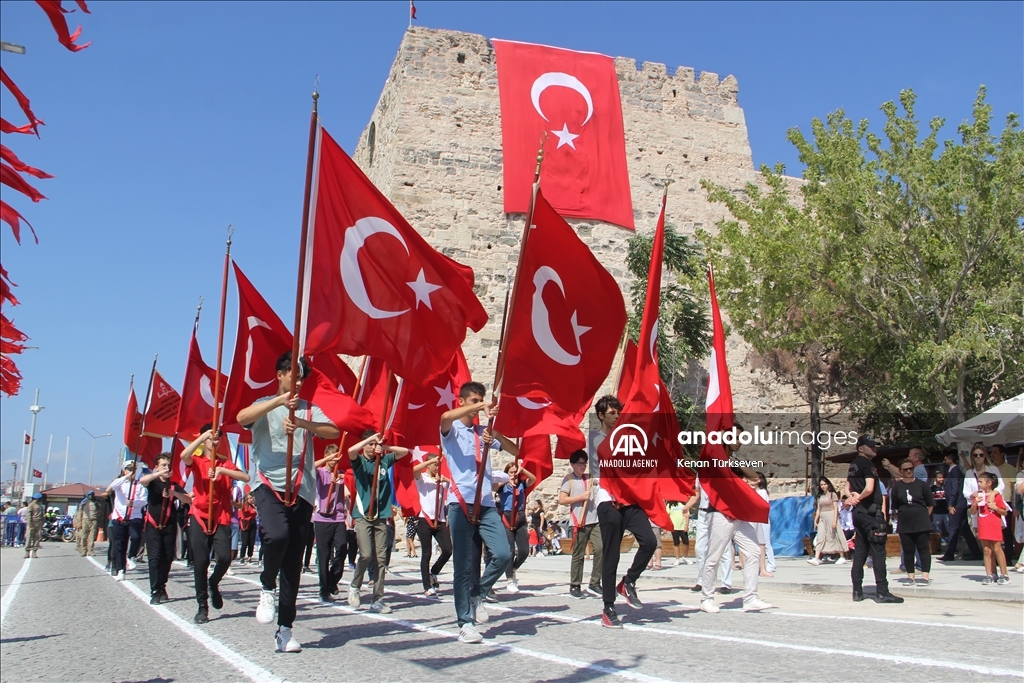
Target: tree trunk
x=817, y=457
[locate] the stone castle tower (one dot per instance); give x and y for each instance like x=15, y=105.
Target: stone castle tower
x=433, y=147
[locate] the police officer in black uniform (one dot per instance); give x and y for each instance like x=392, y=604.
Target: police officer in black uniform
x=866, y=496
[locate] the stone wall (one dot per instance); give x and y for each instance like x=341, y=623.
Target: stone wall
x=433, y=146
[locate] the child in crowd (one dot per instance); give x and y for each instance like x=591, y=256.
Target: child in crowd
x=990, y=508
x=536, y=544
x=846, y=524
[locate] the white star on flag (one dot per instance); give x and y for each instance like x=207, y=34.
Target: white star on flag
x=422, y=288
x=578, y=330
x=565, y=137
x=446, y=397
x=418, y=453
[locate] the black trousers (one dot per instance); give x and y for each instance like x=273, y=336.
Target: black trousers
x=125, y=539
x=202, y=543
x=427, y=534
x=331, y=542
x=959, y=524
x=160, y=545
x=247, y=541
x=518, y=542
x=310, y=542
x=283, y=540
x=353, y=546
x=916, y=542
x=864, y=523
x=613, y=522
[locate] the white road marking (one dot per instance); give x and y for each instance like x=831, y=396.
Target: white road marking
x=991, y=629
x=556, y=659
x=12, y=590
x=250, y=670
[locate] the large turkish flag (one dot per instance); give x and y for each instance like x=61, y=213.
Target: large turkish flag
x=375, y=286
x=568, y=317
x=574, y=98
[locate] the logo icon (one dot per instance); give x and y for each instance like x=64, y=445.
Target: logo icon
x=628, y=440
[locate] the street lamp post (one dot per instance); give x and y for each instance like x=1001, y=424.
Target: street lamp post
x=67, y=452
x=92, y=458
x=35, y=408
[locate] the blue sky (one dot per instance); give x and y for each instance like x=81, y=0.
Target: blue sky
x=184, y=117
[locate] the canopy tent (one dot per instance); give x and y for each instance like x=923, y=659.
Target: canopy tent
x=1003, y=424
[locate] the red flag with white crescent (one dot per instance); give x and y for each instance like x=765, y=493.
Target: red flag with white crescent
x=573, y=98
x=725, y=490
x=196, y=407
x=420, y=407
x=374, y=285
x=565, y=325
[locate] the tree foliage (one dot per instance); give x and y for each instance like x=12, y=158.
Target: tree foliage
x=896, y=282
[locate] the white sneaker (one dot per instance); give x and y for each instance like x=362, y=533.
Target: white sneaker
x=267, y=609
x=285, y=641
x=815, y=561
x=120, y=576
x=353, y=597
x=841, y=560
x=130, y=564
x=380, y=607
x=480, y=614
x=469, y=634
x=709, y=606
x=512, y=586
x=756, y=605
x=431, y=592
x=678, y=562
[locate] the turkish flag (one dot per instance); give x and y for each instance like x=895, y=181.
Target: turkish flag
x=196, y=407
x=535, y=454
x=567, y=319
x=148, y=447
x=162, y=412
x=260, y=341
x=418, y=417
x=375, y=389
x=337, y=371
x=37, y=474
x=375, y=286
x=625, y=379
x=573, y=97
x=726, y=491
x=532, y=416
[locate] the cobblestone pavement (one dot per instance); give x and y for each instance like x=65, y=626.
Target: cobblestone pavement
x=70, y=621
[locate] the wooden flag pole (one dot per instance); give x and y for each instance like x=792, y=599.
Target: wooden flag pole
x=437, y=483
x=341, y=444
x=372, y=512
x=218, y=417
x=510, y=303
x=296, y=341
x=138, y=440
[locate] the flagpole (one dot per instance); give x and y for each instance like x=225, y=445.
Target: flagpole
x=510, y=303
x=341, y=442
x=67, y=452
x=296, y=341
x=195, y=329
x=372, y=512
x=218, y=417
x=138, y=440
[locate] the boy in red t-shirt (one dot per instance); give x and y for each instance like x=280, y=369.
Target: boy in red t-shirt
x=205, y=533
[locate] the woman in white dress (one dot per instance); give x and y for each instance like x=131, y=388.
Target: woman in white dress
x=829, y=539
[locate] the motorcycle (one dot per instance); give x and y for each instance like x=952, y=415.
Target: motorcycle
x=59, y=529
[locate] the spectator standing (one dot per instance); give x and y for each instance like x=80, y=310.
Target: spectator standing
x=34, y=517
x=990, y=508
x=679, y=513
x=1008, y=473
x=90, y=512
x=827, y=540
x=912, y=503
x=764, y=532
x=846, y=525
x=940, y=513
x=957, y=503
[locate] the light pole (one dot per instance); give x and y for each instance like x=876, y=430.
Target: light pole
x=35, y=408
x=46, y=472
x=92, y=458
x=67, y=452
x=14, y=482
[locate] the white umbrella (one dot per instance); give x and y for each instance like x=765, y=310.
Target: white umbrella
x=1003, y=423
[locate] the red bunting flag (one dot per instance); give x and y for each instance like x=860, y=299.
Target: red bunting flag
x=13, y=180
x=23, y=102
x=11, y=216
x=725, y=490
x=573, y=99
x=567, y=319
x=374, y=284
x=162, y=412
x=56, y=14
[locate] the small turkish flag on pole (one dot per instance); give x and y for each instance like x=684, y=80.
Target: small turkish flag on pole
x=28, y=439
x=412, y=11
x=574, y=98
x=196, y=407
x=37, y=474
x=373, y=285
x=567, y=317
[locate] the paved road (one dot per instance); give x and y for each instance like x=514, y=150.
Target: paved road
x=70, y=621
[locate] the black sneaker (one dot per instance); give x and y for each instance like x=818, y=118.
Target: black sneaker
x=725, y=590
x=595, y=591
x=575, y=592
x=889, y=598
x=697, y=588
x=628, y=591
x=609, y=619
x=491, y=596
x=326, y=598
x=155, y=598
x=202, y=616
x=215, y=597
x=163, y=595
x=858, y=595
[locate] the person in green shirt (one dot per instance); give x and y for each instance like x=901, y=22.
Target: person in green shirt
x=371, y=514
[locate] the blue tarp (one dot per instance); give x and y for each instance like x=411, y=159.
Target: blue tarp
x=792, y=521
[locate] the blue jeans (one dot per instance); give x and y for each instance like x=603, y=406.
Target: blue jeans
x=466, y=541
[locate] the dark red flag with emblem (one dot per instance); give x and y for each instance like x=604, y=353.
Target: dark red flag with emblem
x=567, y=319
x=162, y=412
x=573, y=97
x=374, y=284
x=148, y=447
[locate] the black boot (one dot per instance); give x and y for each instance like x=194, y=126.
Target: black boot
x=858, y=594
x=888, y=599
x=155, y=598
x=202, y=616
x=215, y=597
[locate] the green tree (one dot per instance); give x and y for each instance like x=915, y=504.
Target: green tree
x=896, y=280
x=684, y=326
